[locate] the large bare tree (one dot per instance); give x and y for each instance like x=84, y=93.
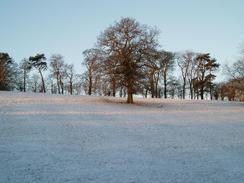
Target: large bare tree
x=128, y=41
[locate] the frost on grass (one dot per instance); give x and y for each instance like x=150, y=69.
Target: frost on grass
x=50, y=138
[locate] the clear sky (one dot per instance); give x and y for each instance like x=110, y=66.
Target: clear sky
x=69, y=27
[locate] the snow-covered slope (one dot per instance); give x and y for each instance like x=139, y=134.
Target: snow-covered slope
x=50, y=138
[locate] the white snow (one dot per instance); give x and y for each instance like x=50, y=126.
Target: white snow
x=50, y=138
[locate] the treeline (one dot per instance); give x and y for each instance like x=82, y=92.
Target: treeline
x=61, y=79
x=127, y=59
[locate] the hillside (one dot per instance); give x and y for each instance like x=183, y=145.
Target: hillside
x=51, y=138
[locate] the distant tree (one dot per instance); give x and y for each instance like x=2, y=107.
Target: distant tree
x=92, y=60
x=109, y=73
x=166, y=62
x=204, y=77
x=185, y=61
x=211, y=67
x=235, y=71
x=35, y=83
x=153, y=74
x=192, y=73
x=129, y=42
x=77, y=85
x=8, y=72
x=173, y=86
x=234, y=87
x=24, y=70
x=69, y=73
x=39, y=62
x=57, y=71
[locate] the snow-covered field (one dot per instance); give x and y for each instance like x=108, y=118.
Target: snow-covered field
x=50, y=138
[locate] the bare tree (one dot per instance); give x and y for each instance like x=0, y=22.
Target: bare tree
x=192, y=73
x=234, y=87
x=24, y=67
x=57, y=70
x=129, y=41
x=91, y=62
x=35, y=82
x=173, y=86
x=184, y=62
x=166, y=61
x=152, y=76
x=235, y=71
x=39, y=62
x=70, y=75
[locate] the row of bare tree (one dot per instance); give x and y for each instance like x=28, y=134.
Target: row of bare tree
x=62, y=77
x=126, y=59
x=233, y=88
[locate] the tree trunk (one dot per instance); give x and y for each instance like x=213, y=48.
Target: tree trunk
x=90, y=86
x=152, y=88
x=24, y=80
x=156, y=89
x=114, y=87
x=184, y=88
x=62, y=88
x=146, y=93
x=43, y=83
x=121, y=92
x=191, y=89
x=202, y=93
x=165, y=87
x=58, y=84
x=211, y=93
x=71, y=88
x=130, y=95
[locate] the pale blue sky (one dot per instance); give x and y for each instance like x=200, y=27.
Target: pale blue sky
x=69, y=27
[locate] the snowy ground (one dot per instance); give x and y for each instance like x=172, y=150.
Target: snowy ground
x=49, y=138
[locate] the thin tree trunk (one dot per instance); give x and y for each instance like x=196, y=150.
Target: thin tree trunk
x=58, y=84
x=24, y=80
x=184, y=88
x=90, y=86
x=211, y=93
x=156, y=89
x=202, y=93
x=152, y=88
x=165, y=87
x=191, y=89
x=114, y=87
x=43, y=83
x=71, y=88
